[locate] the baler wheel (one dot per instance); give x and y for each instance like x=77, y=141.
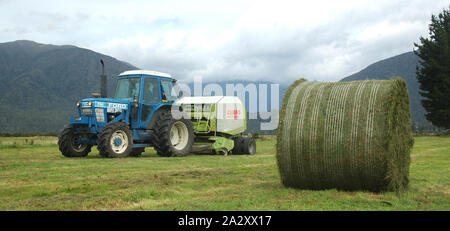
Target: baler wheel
x=238, y=145
x=249, y=145
x=222, y=151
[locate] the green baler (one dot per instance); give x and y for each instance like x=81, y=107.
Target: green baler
x=219, y=124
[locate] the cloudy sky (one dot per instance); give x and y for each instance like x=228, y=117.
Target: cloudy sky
x=278, y=40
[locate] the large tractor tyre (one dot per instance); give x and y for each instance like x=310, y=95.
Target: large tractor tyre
x=137, y=152
x=68, y=145
x=238, y=146
x=172, y=137
x=115, y=140
x=249, y=145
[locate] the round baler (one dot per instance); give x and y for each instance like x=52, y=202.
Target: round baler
x=219, y=123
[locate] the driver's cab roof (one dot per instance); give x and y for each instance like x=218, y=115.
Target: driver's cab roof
x=145, y=72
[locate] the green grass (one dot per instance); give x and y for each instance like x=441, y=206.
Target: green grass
x=37, y=177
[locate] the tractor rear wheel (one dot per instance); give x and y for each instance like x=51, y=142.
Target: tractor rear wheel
x=68, y=143
x=249, y=145
x=172, y=137
x=115, y=140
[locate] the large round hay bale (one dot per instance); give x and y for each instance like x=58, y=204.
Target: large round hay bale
x=345, y=135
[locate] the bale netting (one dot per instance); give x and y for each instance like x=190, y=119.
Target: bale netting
x=345, y=135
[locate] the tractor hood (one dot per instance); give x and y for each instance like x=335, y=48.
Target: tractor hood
x=111, y=105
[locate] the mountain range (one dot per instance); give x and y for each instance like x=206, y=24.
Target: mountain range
x=404, y=66
x=40, y=83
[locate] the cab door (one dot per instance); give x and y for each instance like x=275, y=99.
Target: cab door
x=136, y=93
x=150, y=98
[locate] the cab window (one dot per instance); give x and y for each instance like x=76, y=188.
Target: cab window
x=151, y=91
x=127, y=89
x=166, y=88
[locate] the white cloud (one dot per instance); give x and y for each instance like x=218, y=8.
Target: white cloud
x=271, y=40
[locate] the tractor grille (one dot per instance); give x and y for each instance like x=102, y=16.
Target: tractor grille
x=86, y=111
x=100, y=114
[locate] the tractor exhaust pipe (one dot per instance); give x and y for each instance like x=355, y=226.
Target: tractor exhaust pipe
x=103, y=89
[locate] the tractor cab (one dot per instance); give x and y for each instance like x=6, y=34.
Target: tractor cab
x=157, y=87
x=145, y=91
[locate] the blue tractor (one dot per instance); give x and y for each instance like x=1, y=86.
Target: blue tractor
x=138, y=116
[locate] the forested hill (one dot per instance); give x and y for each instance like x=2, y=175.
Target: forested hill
x=39, y=83
x=403, y=66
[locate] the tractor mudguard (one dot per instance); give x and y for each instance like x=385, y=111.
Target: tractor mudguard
x=156, y=114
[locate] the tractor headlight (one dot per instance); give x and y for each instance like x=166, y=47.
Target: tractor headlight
x=78, y=104
x=89, y=103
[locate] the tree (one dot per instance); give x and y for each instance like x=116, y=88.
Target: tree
x=433, y=70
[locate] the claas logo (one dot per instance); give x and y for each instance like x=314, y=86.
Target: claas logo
x=233, y=114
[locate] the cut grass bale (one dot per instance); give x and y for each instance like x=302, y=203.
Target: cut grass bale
x=345, y=135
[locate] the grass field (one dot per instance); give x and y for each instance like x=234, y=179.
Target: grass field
x=35, y=176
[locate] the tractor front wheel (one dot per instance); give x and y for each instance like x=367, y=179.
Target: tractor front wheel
x=68, y=143
x=115, y=140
